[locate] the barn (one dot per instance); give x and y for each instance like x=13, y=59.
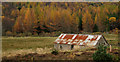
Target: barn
x=78, y=41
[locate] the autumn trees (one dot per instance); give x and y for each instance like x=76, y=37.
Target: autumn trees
x=66, y=17
x=56, y=19
x=87, y=22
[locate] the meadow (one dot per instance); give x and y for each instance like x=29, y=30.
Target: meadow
x=16, y=43
x=33, y=44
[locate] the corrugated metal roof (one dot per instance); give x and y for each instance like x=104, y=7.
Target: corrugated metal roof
x=78, y=39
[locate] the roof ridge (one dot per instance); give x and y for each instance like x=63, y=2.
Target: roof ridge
x=79, y=34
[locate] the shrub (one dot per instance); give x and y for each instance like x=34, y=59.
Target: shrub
x=101, y=55
x=58, y=33
x=27, y=34
x=55, y=52
x=35, y=34
x=118, y=43
x=44, y=34
x=8, y=33
x=20, y=35
x=14, y=34
x=54, y=34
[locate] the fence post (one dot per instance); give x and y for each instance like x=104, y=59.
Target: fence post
x=110, y=48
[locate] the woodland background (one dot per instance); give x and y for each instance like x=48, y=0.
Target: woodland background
x=53, y=18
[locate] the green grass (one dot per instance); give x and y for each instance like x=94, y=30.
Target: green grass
x=112, y=39
x=14, y=43
x=111, y=36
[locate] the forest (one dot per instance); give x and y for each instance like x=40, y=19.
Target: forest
x=64, y=17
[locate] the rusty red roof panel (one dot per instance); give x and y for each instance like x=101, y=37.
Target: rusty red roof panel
x=68, y=37
x=61, y=36
x=77, y=39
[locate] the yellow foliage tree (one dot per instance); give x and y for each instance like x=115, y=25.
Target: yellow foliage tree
x=112, y=19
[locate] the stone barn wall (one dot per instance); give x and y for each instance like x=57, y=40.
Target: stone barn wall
x=57, y=46
x=76, y=47
x=101, y=41
x=82, y=47
x=68, y=47
x=62, y=47
x=65, y=47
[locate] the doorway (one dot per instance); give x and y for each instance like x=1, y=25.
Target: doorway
x=72, y=46
x=60, y=46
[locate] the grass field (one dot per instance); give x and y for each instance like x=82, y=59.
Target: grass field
x=112, y=39
x=16, y=43
x=10, y=44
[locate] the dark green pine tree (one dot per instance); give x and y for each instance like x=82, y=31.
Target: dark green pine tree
x=102, y=55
